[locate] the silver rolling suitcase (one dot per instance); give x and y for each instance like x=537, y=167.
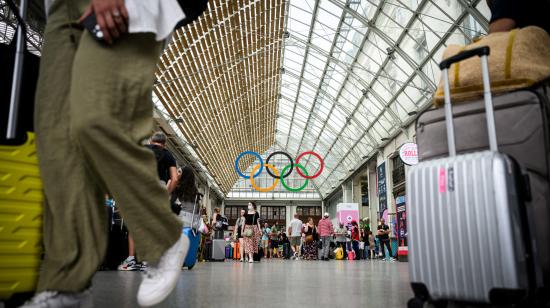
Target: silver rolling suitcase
x=468, y=235
x=218, y=250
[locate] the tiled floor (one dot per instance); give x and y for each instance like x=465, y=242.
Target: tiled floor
x=271, y=283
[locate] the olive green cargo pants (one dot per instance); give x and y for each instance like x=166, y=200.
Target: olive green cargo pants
x=93, y=108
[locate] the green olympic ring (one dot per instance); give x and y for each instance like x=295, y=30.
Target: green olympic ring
x=290, y=188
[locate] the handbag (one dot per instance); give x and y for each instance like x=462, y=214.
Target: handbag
x=519, y=59
x=309, y=238
x=250, y=232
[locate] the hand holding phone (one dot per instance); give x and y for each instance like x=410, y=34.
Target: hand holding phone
x=105, y=19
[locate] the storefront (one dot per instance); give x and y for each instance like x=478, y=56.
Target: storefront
x=273, y=215
x=304, y=212
x=402, y=250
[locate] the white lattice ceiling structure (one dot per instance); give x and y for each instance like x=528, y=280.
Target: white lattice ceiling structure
x=219, y=78
x=339, y=77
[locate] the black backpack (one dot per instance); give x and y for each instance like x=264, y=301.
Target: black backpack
x=222, y=223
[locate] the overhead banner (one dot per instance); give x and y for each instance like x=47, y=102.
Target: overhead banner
x=381, y=183
x=347, y=212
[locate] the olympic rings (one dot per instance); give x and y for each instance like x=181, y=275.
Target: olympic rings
x=262, y=189
x=253, y=154
x=290, y=188
x=287, y=170
x=287, y=156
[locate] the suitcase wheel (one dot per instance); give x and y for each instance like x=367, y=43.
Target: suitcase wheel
x=415, y=302
x=191, y=267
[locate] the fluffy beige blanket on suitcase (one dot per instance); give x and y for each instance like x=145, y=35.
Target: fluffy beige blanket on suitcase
x=519, y=59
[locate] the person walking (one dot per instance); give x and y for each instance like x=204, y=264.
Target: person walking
x=274, y=240
x=310, y=245
x=186, y=193
x=371, y=253
x=168, y=176
x=326, y=231
x=340, y=238
x=251, y=231
x=166, y=163
x=265, y=240
x=92, y=111
x=355, y=237
x=384, y=238
x=295, y=233
x=239, y=234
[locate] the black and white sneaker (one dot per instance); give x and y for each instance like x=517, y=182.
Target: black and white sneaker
x=129, y=264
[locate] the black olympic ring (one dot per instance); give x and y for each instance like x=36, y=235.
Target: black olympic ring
x=284, y=176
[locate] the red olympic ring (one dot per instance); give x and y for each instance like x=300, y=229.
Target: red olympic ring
x=318, y=172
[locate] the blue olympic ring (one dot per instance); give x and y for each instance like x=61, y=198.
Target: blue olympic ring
x=253, y=154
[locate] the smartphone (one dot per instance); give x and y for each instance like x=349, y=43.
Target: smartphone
x=90, y=23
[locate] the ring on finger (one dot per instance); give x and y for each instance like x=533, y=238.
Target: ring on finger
x=116, y=13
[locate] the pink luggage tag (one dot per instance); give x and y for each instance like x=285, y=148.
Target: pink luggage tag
x=442, y=180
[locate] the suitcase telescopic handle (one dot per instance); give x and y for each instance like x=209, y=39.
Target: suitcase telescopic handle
x=198, y=197
x=17, y=70
x=483, y=53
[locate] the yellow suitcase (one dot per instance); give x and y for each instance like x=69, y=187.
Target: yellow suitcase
x=21, y=197
x=20, y=218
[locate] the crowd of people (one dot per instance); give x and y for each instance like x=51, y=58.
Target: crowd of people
x=309, y=241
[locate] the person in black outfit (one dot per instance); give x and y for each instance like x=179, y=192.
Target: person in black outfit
x=384, y=238
x=168, y=176
x=166, y=164
x=509, y=14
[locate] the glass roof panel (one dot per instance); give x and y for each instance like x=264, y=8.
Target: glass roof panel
x=367, y=65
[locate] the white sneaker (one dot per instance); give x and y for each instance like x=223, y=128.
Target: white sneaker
x=61, y=300
x=159, y=281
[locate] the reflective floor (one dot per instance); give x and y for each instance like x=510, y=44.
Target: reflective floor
x=271, y=283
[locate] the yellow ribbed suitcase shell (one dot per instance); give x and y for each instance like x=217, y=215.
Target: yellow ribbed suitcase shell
x=20, y=218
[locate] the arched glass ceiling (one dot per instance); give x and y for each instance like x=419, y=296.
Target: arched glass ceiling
x=333, y=76
x=355, y=72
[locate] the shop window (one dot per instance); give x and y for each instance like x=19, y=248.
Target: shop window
x=398, y=172
x=273, y=215
x=304, y=212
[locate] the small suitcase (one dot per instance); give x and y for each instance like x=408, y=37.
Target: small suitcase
x=286, y=251
x=194, y=238
x=218, y=250
x=258, y=255
x=468, y=235
x=117, y=247
x=207, y=252
x=237, y=251
x=351, y=255
x=228, y=252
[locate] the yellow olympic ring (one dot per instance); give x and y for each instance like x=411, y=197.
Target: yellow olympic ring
x=266, y=189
